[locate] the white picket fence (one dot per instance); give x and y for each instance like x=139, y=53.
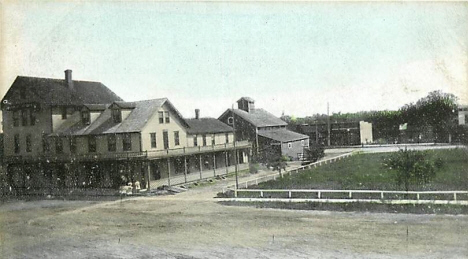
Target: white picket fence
x=382, y=195
x=247, y=183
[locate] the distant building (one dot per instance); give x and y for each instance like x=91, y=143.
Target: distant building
x=341, y=133
x=463, y=115
x=66, y=133
x=264, y=130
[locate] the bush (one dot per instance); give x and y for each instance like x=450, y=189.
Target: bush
x=314, y=152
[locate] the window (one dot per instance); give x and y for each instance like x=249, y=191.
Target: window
x=111, y=143
x=127, y=142
x=17, y=143
x=58, y=146
x=64, y=113
x=302, y=142
x=161, y=117
x=227, y=137
x=24, y=117
x=289, y=145
x=72, y=145
x=91, y=144
x=195, y=141
x=153, y=140
x=167, y=117
x=176, y=138
x=204, y=139
x=16, y=118
x=85, y=117
x=28, y=143
x=45, y=144
x=230, y=120
x=32, y=117
x=213, y=140
x=116, y=115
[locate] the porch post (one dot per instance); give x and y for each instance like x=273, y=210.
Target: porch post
x=185, y=168
x=169, y=171
x=226, y=161
x=214, y=164
x=148, y=175
x=200, y=160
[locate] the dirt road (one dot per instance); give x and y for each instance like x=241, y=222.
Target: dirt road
x=194, y=225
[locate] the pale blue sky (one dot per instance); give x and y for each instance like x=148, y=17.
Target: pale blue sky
x=291, y=57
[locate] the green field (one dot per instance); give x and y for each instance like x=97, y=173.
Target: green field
x=366, y=172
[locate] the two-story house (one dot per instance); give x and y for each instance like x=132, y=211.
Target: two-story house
x=264, y=130
x=67, y=133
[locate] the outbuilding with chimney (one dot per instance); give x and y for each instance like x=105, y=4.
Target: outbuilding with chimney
x=266, y=131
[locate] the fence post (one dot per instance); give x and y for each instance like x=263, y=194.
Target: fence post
x=289, y=194
x=318, y=194
x=381, y=195
x=261, y=194
x=417, y=196
x=235, y=192
x=246, y=185
x=350, y=195
x=455, y=196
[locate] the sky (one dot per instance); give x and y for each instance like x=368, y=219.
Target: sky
x=290, y=57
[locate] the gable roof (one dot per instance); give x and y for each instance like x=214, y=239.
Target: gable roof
x=259, y=118
x=105, y=124
x=282, y=135
x=206, y=126
x=56, y=92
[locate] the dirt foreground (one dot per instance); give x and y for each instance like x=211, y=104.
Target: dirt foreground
x=194, y=225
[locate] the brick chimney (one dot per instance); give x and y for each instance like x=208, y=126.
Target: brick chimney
x=197, y=114
x=68, y=78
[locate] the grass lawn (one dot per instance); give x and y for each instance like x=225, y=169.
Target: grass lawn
x=365, y=171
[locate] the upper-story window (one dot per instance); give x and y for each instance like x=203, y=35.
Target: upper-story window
x=127, y=142
x=176, y=138
x=64, y=113
x=45, y=143
x=16, y=118
x=24, y=117
x=227, y=137
x=111, y=143
x=161, y=117
x=195, y=140
x=204, y=139
x=28, y=143
x=303, y=142
x=17, y=143
x=289, y=145
x=117, y=115
x=153, y=140
x=58, y=145
x=85, y=117
x=32, y=117
x=72, y=145
x=91, y=144
x=230, y=120
x=168, y=120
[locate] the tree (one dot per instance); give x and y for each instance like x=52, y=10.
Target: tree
x=314, y=152
x=412, y=167
x=278, y=163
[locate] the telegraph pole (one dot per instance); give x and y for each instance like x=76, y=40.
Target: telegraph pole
x=234, y=140
x=328, y=122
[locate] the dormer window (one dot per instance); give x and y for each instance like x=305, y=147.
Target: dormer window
x=230, y=120
x=85, y=119
x=117, y=115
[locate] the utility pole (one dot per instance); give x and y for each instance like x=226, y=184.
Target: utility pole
x=328, y=122
x=234, y=140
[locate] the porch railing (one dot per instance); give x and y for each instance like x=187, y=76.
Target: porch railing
x=126, y=155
